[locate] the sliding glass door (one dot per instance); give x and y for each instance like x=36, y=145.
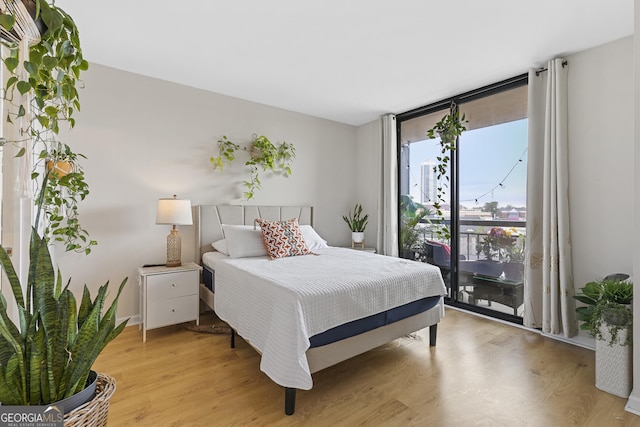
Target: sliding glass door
x=485, y=190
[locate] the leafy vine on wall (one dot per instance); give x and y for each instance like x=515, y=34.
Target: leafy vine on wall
x=263, y=155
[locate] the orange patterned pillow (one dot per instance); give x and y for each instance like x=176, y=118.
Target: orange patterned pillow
x=283, y=238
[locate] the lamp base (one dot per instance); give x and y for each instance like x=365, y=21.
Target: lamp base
x=174, y=244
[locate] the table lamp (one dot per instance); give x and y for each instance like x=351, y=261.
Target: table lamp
x=174, y=212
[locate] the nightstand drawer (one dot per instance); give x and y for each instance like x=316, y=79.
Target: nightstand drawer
x=172, y=311
x=163, y=286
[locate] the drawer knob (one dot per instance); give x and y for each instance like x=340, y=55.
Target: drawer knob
x=173, y=285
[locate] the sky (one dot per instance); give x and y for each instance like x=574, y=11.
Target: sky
x=489, y=156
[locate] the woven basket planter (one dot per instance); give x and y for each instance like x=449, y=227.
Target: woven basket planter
x=94, y=413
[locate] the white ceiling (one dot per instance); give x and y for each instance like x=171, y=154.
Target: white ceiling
x=344, y=60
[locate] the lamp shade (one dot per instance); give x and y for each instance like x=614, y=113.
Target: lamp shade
x=174, y=212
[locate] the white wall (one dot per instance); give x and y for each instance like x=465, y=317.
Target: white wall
x=146, y=138
x=368, y=176
x=601, y=163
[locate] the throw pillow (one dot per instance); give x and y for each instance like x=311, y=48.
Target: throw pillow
x=283, y=238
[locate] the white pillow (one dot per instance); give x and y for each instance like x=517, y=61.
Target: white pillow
x=221, y=246
x=312, y=239
x=243, y=241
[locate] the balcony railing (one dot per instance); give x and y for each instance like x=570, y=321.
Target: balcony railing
x=473, y=233
x=490, y=266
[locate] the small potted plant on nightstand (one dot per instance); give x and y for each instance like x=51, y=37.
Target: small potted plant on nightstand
x=357, y=223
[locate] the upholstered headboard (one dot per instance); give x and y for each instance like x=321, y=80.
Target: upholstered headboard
x=209, y=219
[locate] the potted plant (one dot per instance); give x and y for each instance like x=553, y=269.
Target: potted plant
x=263, y=155
x=357, y=223
x=607, y=316
x=448, y=129
x=411, y=214
x=48, y=356
x=514, y=266
x=64, y=186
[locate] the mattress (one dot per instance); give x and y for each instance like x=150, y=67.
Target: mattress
x=277, y=305
x=209, y=260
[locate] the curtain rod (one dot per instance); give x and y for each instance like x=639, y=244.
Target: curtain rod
x=542, y=70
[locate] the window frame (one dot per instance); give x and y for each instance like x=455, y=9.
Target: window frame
x=444, y=105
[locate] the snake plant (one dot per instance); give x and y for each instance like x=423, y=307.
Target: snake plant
x=48, y=356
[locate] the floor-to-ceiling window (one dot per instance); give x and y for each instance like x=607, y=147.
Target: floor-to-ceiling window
x=484, y=189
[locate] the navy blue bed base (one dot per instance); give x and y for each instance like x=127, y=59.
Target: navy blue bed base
x=207, y=278
x=374, y=321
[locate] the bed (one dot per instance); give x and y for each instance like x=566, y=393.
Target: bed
x=306, y=313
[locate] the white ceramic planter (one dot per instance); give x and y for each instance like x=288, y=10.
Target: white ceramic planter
x=357, y=237
x=614, y=364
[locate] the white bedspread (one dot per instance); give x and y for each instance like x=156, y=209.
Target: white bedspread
x=277, y=305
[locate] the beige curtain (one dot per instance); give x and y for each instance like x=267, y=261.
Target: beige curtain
x=388, y=188
x=549, y=302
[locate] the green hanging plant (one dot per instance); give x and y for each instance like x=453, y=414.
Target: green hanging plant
x=41, y=92
x=448, y=129
x=264, y=155
x=63, y=187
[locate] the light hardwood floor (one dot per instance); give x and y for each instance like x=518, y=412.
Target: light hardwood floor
x=481, y=373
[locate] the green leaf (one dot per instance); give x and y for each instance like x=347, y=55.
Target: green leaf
x=31, y=68
x=51, y=111
x=11, y=81
x=7, y=21
x=11, y=63
x=52, y=17
x=49, y=62
x=23, y=87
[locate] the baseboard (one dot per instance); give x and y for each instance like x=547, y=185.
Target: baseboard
x=578, y=340
x=133, y=320
x=633, y=404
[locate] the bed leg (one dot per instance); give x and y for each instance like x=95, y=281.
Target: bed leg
x=433, y=334
x=233, y=338
x=289, y=400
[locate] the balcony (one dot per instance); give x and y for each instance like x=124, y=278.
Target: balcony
x=490, y=263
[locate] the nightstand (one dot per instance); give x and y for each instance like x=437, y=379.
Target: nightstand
x=168, y=295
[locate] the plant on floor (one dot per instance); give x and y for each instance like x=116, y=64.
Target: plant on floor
x=448, y=129
x=263, y=155
x=607, y=304
x=44, y=63
x=48, y=355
